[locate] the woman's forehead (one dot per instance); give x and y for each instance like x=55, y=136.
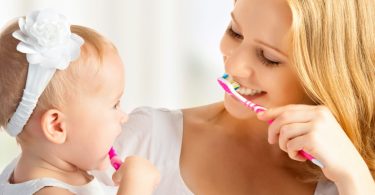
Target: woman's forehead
x=265, y=20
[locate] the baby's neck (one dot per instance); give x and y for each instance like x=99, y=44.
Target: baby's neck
x=31, y=166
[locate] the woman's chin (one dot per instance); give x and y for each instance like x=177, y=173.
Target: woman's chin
x=237, y=109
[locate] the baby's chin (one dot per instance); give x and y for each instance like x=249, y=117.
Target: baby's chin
x=102, y=165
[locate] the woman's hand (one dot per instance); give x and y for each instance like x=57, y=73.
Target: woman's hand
x=315, y=130
x=136, y=176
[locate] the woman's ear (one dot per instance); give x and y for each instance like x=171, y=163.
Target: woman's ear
x=53, y=126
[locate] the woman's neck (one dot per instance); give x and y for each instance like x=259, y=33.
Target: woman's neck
x=249, y=132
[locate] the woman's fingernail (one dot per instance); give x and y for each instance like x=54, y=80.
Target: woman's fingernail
x=260, y=114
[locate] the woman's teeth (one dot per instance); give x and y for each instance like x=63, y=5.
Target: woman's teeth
x=245, y=91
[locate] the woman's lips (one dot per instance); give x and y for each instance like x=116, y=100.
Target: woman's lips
x=253, y=97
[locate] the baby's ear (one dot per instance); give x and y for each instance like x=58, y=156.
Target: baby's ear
x=53, y=126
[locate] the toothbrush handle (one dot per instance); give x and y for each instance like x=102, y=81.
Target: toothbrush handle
x=254, y=107
x=115, y=160
x=311, y=158
x=306, y=155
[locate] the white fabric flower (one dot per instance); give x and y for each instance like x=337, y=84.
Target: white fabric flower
x=49, y=45
x=46, y=39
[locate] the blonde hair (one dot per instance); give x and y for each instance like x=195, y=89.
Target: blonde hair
x=14, y=67
x=333, y=52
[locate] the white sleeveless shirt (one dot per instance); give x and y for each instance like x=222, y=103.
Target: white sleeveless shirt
x=33, y=186
x=156, y=134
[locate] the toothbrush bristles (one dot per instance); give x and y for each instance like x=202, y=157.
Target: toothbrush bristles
x=235, y=85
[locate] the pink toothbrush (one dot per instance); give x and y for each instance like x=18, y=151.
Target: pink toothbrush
x=227, y=86
x=115, y=160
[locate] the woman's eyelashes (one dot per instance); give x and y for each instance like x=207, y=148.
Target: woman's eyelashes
x=264, y=60
x=233, y=33
x=259, y=52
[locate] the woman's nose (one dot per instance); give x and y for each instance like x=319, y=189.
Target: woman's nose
x=238, y=62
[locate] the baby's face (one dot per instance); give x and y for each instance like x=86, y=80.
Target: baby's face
x=94, y=120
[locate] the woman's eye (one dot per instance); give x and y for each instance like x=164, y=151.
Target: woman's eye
x=233, y=33
x=265, y=60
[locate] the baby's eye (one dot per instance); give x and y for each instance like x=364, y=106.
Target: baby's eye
x=233, y=33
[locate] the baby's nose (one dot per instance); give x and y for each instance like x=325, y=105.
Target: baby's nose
x=124, y=118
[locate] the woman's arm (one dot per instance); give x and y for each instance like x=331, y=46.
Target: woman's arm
x=359, y=181
x=315, y=130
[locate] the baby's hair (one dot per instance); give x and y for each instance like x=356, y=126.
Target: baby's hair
x=64, y=84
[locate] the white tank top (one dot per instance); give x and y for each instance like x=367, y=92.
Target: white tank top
x=156, y=134
x=33, y=186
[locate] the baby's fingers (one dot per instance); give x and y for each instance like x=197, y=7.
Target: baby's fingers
x=119, y=173
x=116, y=178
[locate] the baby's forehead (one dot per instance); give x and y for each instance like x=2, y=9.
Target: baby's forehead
x=94, y=42
x=93, y=57
x=101, y=75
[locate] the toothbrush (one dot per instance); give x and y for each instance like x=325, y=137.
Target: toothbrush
x=231, y=90
x=115, y=160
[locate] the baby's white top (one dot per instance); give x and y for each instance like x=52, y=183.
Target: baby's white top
x=156, y=134
x=32, y=186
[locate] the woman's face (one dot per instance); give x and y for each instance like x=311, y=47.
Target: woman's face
x=255, y=51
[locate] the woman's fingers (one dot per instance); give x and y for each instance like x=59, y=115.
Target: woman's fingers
x=293, y=147
x=273, y=113
x=282, y=116
x=290, y=131
x=290, y=125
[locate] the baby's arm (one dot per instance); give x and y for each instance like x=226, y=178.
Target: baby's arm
x=136, y=176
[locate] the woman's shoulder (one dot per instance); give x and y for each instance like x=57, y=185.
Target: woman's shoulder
x=148, y=126
x=145, y=119
x=203, y=113
x=146, y=113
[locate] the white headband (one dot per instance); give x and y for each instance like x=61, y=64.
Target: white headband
x=48, y=43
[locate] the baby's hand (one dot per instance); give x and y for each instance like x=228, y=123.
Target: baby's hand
x=136, y=176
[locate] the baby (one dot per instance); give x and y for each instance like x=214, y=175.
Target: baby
x=60, y=89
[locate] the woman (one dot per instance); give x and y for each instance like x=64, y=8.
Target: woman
x=312, y=63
